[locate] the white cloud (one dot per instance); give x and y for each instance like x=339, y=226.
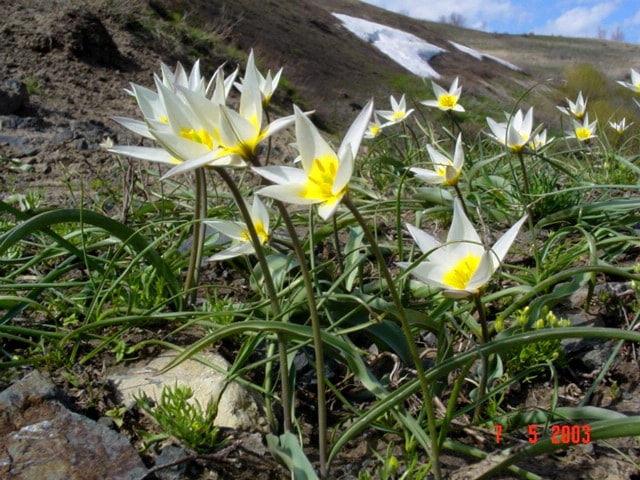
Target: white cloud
x=579, y=21
x=474, y=11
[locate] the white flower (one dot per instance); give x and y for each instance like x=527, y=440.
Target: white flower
x=620, y=126
x=325, y=174
x=374, y=128
x=577, y=109
x=446, y=100
x=634, y=85
x=180, y=117
x=398, y=112
x=515, y=133
x=446, y=170
x=239, y=232
x=462, y=266
x=584, y=131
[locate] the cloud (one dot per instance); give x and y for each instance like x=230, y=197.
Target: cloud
x=579, y=21
x=473, y=11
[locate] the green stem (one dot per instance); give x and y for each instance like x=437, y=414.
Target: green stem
x=271, y=293
x=336, y=241
x=406, y=328
x=316, y=333
x=484, y=359
x=462, y=202
x=200, y=213
x=527, y=206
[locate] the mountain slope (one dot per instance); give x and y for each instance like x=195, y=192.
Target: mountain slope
x=336, y=72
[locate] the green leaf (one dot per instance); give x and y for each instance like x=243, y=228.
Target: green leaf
x=279, y=265
x=288, y=450
x=353, y=255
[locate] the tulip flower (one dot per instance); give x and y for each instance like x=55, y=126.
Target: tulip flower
x=620, y=126
x=584, y=131
x=267, y=84
x=374, y=128
x=634, y=85
x=398, y=112
x=325, y=175
x=239, y=233
x=180, y=117
x=539, y=141
x=446, y=170
x=577, y=109
x=446, y=100
x=462, y=266
x=238, y=133
x=515, y=133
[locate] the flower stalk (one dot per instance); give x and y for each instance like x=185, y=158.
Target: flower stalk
x=406, y=329
x=316, y=333
x=271, y=293
x=195, y=259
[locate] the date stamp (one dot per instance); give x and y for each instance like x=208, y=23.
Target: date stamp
x=561, y=434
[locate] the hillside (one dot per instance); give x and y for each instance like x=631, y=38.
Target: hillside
x=76, y=62
x=334, y=70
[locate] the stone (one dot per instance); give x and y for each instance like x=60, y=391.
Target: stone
x=41, y=438
x=13, y=96
x=239, y=408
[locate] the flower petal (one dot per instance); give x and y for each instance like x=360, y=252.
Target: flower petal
x=282, y=174
x=233, y=230
x=291, y=193
x=461, y=228
x=355, y=133
x=426, y=243
x=503, y=244
x=144, y=153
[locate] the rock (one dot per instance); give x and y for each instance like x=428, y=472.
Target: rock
x=13, y=96
x=239, y=408
x=40, y=438
x=171, y=454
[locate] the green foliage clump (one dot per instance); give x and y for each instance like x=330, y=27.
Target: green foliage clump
x=183, y=418
x=531, y=354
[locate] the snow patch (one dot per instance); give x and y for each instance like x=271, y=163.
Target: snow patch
x=481, y=56
x=406, y=49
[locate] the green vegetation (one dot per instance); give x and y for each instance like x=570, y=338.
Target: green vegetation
x=182, y=417
x=358, y=277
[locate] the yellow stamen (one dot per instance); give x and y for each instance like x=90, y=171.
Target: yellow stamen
x=458, y=277
x=198, y=136
x=320, y=179
x=583, y=133
x=399, y=115
x=260, y=231
x=447, y=102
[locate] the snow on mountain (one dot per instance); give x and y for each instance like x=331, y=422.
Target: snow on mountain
x=406, y=49
x=482, y=56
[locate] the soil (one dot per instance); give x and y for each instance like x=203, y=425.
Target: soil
x=76, y=62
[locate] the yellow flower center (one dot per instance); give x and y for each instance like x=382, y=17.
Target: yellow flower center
x=447, y=102
x=583, y=133
x=320, y=180
x=374, y=130
x=458, y=277
x=399, y=115
x=198, y=136
x=260, y=230
x=164, y=119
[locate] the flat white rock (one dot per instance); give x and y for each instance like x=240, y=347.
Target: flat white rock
x=239, y=408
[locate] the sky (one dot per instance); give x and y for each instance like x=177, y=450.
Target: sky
x=569, y=18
